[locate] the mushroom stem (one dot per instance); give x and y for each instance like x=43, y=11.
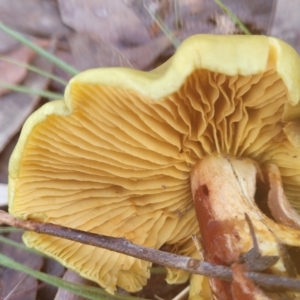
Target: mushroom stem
x=232, y=227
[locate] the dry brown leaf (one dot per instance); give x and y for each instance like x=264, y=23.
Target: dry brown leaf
x=7, y=42
x=285, y=23
x=52, y=267
x=3, y=194
x=4, y=158
x=12, y=73
x=15, y=283
x=161, y=11
x=197, y=15
x=65, y=55
x=16, y=107
x=194, y=16
x=112, y=21
x=63, y=294
x=256, y=12
x=144, y=56
x=33, y=17
x=90, y=51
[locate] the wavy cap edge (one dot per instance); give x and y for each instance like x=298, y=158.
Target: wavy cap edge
x=239, y=55
x=57, y=107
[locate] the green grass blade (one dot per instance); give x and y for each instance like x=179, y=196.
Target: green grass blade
x=88, y=292
x=178, y=17
x=26, y=90
x=164, y=28
x=60, y=63
x=78, y=289
x=158, y=270
x=34, y=69
x=9, y=229
x=17, y=245
x=233, y=17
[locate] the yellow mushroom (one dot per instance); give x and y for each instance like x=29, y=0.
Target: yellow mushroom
x=115, y=156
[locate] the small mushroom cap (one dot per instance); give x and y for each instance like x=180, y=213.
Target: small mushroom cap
x=114, y=156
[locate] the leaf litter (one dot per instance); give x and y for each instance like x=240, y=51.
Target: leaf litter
x=12, y=72
x=16, y=107
x=15, y=283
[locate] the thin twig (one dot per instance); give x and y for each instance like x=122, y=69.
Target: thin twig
x=121, y=245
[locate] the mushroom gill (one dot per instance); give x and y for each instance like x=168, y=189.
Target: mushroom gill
x=115, y=157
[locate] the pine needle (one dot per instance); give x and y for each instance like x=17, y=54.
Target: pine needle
x=55, y=60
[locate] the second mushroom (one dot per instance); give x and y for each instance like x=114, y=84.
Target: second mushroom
x=209, y=139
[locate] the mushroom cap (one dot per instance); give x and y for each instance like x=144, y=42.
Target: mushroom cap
x=114, y=157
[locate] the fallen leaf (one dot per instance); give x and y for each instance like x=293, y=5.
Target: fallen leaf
x=158, y=288
x=52, y=267
x=71, y=276
x=4, y=158
x=68, y=57
x=112, y=21
x=285, y=24
x=13, y=73
x=188, y=17
x=258, y=13
x=7, y=42
x=3, y=194
x=39, y=18
x=144, y=56
x=143, y=9
x=13, y=282
x=224, y=24
x=90, y=51
x=197, y=16
x=16, y=107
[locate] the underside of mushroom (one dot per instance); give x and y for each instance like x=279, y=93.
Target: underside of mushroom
x=129, y=153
